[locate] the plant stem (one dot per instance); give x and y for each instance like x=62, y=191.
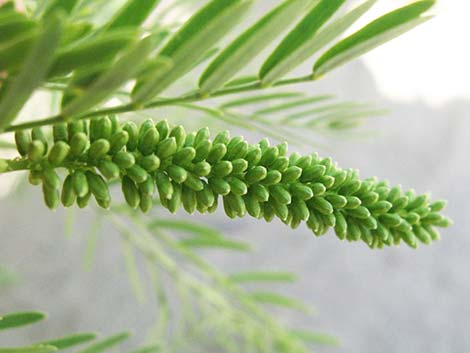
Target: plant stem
x=130, y=107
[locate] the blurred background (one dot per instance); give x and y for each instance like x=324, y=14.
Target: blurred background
x=392, y=300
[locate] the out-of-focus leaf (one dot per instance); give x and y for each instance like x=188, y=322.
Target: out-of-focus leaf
x=33, y=72
x=192, y=42
x=316, y=338
x=252, y=42
x=111, y=80
x=187, y=226
x=294, y=104
x=66, y=6
x=133, y=271
x=371, y=36
x=70, y=341
x=132, y=14
x=107, y=343
x=297, y=46
x=149, y=349
x=206, y=242
x=93, y=52
x=15, y=320
x=262, y=98
x=262, y=276
x=31, y=349
x=240, y=81
x=280, y=300
x=14, y=25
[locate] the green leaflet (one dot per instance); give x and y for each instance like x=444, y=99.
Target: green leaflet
x=70, y=341
x=33, y=72
x=316, y=338
x=107, y=343
x=280, y=300
x=31, y=349
x=189, y=227
x=91, y=53
x=121, y=72
x=371, y=36
x=297, y=46
x=66, y=6
x=132, y=14
x=20, y=319
x=12, y=25
x=191, y=42
x=247, y=46
x=262, y=276
x=293, y=104
x=206, y=242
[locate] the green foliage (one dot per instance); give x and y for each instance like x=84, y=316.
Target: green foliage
x=16, y=320
x=194, y=172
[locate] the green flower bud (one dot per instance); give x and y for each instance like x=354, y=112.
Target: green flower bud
x=300, y=210
x=99, y=149
x=391, y=219
x=133, y=131
x=35, y=177
x=219, y=186
x=337, y=201
x=145, y=126
x=163, y=129
x=150, y=163
x=255, y=174
x=236, y=148
x=281, y=210
x=321, y=205
x=177, y=173
x=217, y=152
x=78, y=144
x=435, y=236
x=146, y=203
x=269, y=156
x=222, y=169
x=58, y=153
x=201, y=136
x=222, y=137
x=202, y=151
x=381, y=207
x=51, y=197
x=101, y=128
x=23, y=140
x=148, y=141
x=400, y=203
x=98, y=186
x=51, y=179
x=202, y=169
x=124, y=160
x=253, y=207
x=205, y=197
x=130, y=192
x=352, y=202
x=281, y=164
x=60, y=132
x=109, y=169
x=164, y=185
x=280, y=194
x=239, y=166
x=318, y=189
x=115, y=124
x=254, y=156
x=36, y=150
x=272, y=177
x=148, y=187
x=189, y=200
x=260, y=192
x=369, y=198
x=291, y=174
x=184, y=156
x=82, y=202
x=75, y=127
x=268, y=212
x=68, y=196
x=174, y=203
x=166, y=148
x=301, y=191
x=423, y=236
x=118, y=141
x=137, y=173
x=341, y=226
x=438, y=206
x=236, y=205
x=313, y=173
x=193, y=182
x=80, y=184
x=179, y=134
x=304, y=162
x=238, y=187
x=418, y=201
x=105, y=204
x=359, y=212
x=37, y=134
x=189, y=141
x=293, y=158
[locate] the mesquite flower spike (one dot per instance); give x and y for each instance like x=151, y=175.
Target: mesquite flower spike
x=193, y=172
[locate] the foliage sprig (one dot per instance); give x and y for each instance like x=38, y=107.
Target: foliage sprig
x=194, y=172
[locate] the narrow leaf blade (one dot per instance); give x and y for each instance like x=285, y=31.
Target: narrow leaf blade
x=132, y=14
x=70, y=341
x=107, y=343
x=373, y=35
x=295, y=48
x=31, y=349
x=186, y=226
x=15, y=320
x=247, y=46
x=262, y=276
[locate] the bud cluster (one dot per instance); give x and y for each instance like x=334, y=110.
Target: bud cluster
x=195, y=172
